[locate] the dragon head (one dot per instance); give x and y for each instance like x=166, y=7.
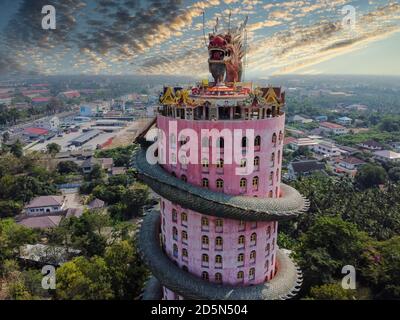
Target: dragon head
x=225, y=56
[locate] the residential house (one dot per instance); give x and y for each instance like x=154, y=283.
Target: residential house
x=300, y=119
x=348, y=166
x=371, y=145
x=44, y=205
x=303, y=168
x=104, y=163
x=41, y=222
x=387, y=156
x=345, y=121
x=321, y=118
x=327, y=149
x=332, y=128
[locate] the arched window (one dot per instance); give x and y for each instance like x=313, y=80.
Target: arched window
x=271, y=177
x=184, y=235
x=257, y=141
x=241, y=240
x=240, y=275
x=280, y=137
x=244, y=142
x=277, y=174
x=174, y=215
x=253, y=237
x=204, y=257
x=204, y=222
x=274, y=138
x=218, y=277
x=205, y=182
x=175, y=233
x=252, y=273
x=240, y=257
x=255, y=183
x=270, y=195
x=218, y=259
x=218, y=241
x=243, y=182
x=184, y=217
x=242, y=225
x=256, y=161
x=204, y=163
x=220, y=143
x=183, y=178
x=184, y=253
x=253, y=255
x=219, y=223
x=266, y=266
x=273, y=157
x=175, y=250
x=268, y=249
x=204, y=275
x=220, y=183
x=243, y=163
x=220, y=163
x=204, y=240
x=268, y=232
x=279, y=156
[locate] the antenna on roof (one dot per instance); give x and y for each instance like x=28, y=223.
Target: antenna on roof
x=229, y=21
x=204, y=32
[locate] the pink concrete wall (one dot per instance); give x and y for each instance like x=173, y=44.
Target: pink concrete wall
x=264, y=128
x=264, y=264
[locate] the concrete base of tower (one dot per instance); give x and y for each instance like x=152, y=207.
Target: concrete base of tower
x=285, y=284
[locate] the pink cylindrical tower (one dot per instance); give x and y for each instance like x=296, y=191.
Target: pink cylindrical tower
x=215, y=233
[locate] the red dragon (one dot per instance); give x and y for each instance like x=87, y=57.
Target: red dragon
x=225, y=56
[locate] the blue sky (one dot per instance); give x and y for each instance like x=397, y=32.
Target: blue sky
x=166, y=36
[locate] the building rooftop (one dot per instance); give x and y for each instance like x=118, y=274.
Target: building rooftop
x=371, y=143
x=45, y=201
x=86, y=136
x=331, y=125
x=41, y=222
x=390, y=155
x=352, y=160
x=307, y=166
x=47, y=254
x=96, y=204
x=38, y=131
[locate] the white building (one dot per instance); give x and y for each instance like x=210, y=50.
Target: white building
x=333, y=128
x=345, y=121
x=44, y=205
x=387, y=156
x=327, y=149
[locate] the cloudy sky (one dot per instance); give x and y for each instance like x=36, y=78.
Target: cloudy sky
x=166, y=36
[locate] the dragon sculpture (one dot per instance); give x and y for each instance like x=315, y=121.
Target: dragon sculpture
x=225, y=54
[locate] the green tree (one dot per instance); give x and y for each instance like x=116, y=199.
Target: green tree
x=381, y=268
x=370, y=175
x=9, y=208
x=331, y=291
x=66, y=167
x=53, y=148
x=84, y=279
x=328, y=245
x=16, y=149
